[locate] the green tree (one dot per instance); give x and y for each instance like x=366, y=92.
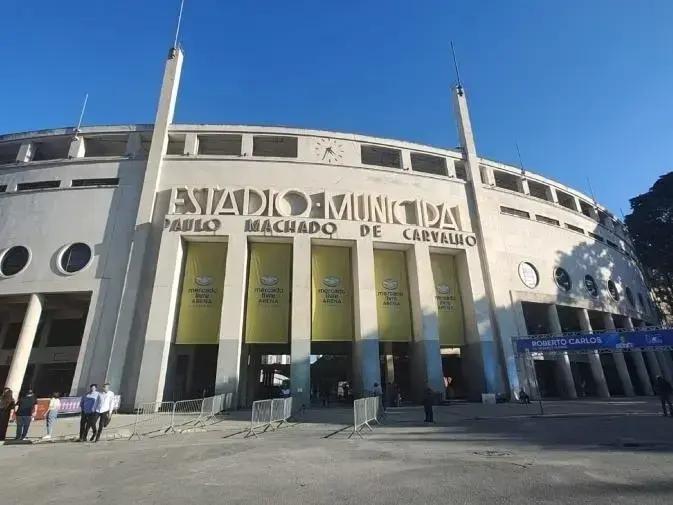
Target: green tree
x=651, y=227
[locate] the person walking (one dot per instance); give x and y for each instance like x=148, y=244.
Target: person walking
x=104, y=409
x=26, y=408
x=428, y=402
x=88, y=405
x=378, y=391
x=6, y=407
x=52, y=414
x=664, y=390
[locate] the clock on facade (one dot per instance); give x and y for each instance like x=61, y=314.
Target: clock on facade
x=329, y=150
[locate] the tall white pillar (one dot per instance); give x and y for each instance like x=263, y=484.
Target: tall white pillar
x=594, y=358
x=565, y=373
x=300, y=331
x=366, y=345
x=620, y=361
x=227, y=374
x=17, y=369
x=157, y=343
x=426, y=357
x=639, y=362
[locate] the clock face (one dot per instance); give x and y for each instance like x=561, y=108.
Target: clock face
x=329, y=150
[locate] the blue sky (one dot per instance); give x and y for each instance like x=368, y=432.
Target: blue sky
x=584, y=87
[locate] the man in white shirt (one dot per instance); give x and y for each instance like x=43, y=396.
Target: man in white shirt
x=104, y=408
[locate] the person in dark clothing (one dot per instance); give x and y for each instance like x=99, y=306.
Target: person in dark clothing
x=664, y=390
x=428, y=402
x=88, y=405
x=26, y=408
x=6, y=407
x=523, y=396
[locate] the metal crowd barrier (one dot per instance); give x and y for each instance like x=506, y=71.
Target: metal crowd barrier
x=267, y=412
x=365, y=411
x=164, y=417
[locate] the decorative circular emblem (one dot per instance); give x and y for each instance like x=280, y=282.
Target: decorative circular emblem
x=562, y=279
x=590, y=286
x=331, y=281
x=629, y=296
x=528, y=275
x=268, y=280
x=612, y=289
x=203, y=280
x=443, y=289
x=390, y=284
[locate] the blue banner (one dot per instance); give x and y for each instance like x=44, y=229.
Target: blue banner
x=612, y=340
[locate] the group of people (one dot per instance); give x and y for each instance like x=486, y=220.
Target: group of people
x=96, y=412
x=25, y=409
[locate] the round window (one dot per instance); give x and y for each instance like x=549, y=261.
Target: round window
x=629, y=296
x=641, y=302
x=590, y=286
x=528, y=275
x=612, y=289
x=14, y=260
x=74, y=258
x=562, y=279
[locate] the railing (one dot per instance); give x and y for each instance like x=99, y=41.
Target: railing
x=269, y=414
x=158, y=418
x=365, y=411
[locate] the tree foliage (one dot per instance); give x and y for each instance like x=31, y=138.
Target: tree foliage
x=651, y=227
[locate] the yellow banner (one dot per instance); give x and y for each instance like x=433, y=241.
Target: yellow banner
x=393, y=310
x=201, y=297
x=449, y=304
x=267, y=319
x=331, y=294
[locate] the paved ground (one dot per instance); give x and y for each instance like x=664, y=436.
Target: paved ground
x=583, y=452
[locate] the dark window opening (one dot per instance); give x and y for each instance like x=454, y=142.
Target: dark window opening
x=27, y=186
x=574, y=228
x=538, y=190
x=65, y=332
x=14, y=260
x=596, y=237
x=12, y=336
x=514, y=212
x=176, y=145
x=428, y=164
x=587, y=209
x=105, y=145
x=8, y=153
x=461, y=173
x=566, y=200
x=381, y=156
x=83, y=183
x=3, y=188
x=278, y=147
x=547, y=220
x=220, y=145
x=75, y=257
x=612, y=244
x=506, y=181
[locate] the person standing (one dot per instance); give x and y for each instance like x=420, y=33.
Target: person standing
x=428, y=402
x=664, y=390
x=88, y=405
x=52, y=414
x=26, y=408
x=6, y=406
x=104, y=409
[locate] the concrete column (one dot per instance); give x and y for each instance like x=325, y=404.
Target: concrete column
x=594, y=357
x=246, y=145
x=665, y=365
x=565, y=373
x=157, y=342
x=366, y=345
x=191, y=144
x=425, y=355
x=620, y=361
x=639, y=361
x=227, y=374
x=650, y=355
x=26, y=152
x=77, y=147
x=523, y=186
x=24, y=345
x=390, y=361
x=406, y=160
x=300, y=330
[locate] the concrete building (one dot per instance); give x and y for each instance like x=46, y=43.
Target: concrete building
x=98, y=225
